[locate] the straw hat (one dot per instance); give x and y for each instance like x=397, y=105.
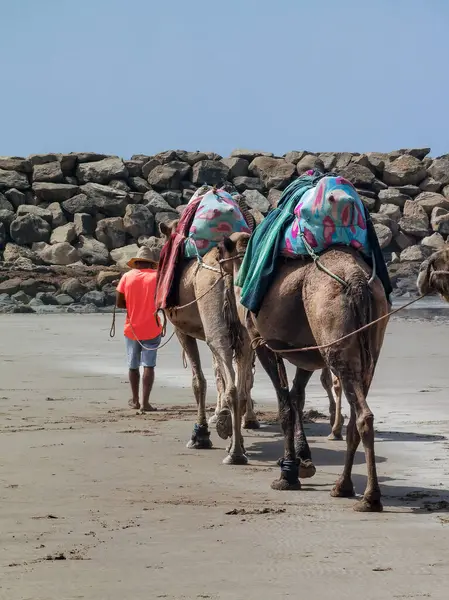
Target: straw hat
x=145, y=254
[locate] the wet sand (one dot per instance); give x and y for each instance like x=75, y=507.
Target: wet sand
x=99, y=502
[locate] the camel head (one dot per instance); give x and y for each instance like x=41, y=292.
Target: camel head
x=433, y=274
x=232, y=250
x=167, y=229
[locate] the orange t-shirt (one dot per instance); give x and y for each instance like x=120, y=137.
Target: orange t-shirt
x=138, y=287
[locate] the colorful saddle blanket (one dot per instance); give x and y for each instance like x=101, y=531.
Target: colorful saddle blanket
x=218, y=216
x=329, y=214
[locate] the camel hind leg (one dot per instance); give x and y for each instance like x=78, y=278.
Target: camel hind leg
x=200, y=436
x=246, y=370
x=332, y=386
x=220, y=392
x=302, y=450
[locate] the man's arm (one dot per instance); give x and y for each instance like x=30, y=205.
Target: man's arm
x=120, y=301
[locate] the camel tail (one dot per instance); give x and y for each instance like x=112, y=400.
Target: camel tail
x=231, y=317
x=360, y=300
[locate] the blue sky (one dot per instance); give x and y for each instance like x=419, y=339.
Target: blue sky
x=142, y=76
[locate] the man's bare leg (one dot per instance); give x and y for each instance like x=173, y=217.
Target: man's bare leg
x=147, y=386
x=134, y=380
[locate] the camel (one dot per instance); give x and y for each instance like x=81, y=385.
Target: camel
x=433, y=274
x=332, y=386
x=211, y=316
x=305, y=307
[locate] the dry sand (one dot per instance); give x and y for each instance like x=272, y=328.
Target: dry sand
x=99, y=502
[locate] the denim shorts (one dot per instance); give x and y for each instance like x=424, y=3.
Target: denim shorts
x=142, y=357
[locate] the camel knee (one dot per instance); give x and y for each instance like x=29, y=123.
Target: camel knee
x=365, y=424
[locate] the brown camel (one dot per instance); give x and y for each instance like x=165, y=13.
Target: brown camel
x=211, y=316
x=433, y=274
x=306, y=307
x=332, y=386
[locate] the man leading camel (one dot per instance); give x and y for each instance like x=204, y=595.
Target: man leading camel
x=135, y=292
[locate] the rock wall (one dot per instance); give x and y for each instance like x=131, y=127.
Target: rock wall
x=63, y=213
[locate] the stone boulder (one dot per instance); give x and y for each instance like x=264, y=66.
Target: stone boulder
x=111, y=232
x=343, y=160
x=405, y=170
x=29, y=229
x=13, y=252
x=431, y=200
x=402, y=240
x=5, y=204
x=3, y=233
x=79, y=204
x=54, y=192
x=393, y=196
x=149, y=166
x=209, y=172
x=7, y=217
x=248, y=183
x=58, y=217
x=134, y=167
x=415, y=221
x=139, y=184
x=43, y=213
x=15, y=163
x=190, y=157
x=84, y=224
x=273, y=197
x=16, y=198
x=440, y=220
x=238, y=167
x=10, y=286
x=255, y=199
x=329, y=160
x=384, y=235
x=91, y=251
x=429, y=184
x=156, y=203
x=165, y=177
x=94, y=297
x=107, y=277
x=48, y=172
x=121, y=256
x=74, y=288
x=358, y=175
x=439, y=170
x=13, y=179
x=173, y=198
x=101, y=171
x=391, y=211
x=295, y=156
x=274, y=172
x=109, y=201
x=138, y=221
x=382, y=219
x=415, y=253
x=60, y=253
x=309, y=162
x=376, y=161
x=434, y=241
x=249, y=155
x=64, y=233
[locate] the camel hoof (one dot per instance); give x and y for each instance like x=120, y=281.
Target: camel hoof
x=335, y=437
x=212, y=421
x=224, y=424
x=339, y=491
x=239, y=459
x=282, y=485
x=306, y=469
x=251, y=424
x=365, y=505
x=199, y=444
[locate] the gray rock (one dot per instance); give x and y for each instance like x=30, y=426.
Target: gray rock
x=419, y=153
x=384, y=235
x=343, y=160
x=138, y=184
x=238, y=167
x=393, y=196
x=440, y=220
x=381, y=219
x=134, y=168
x=54, y=192
x=107, y=200
x=434, y=241
x=47, y=298
x=80, y=204
x=294, y=156
x=138, y=221
x=83, y=309
x=16, y=309
x=36, y=303
x=164, y=177
x=60, y=253
x=309, y=162
x=186, y=196
x=102, y=171
x=68, y=163
x=329, y=160
x=183, y=168
x=107, y=277
x=10, y=286
x=431, y=200
x=64, y=233
x=5, y=204
x=94, y=297
x=156, y=203
x=92, y=252
x=209, y=172
x=377, y=161
x=430, y=185
x=43, y=213
x=6, y=218
x=58, y=217
x=378, y=186
x=119, y=184
x=111, y=233
x=439, y=170
x=73, y=288
x=362, y=160
x=370, y=203
x=12, y=253
x=50, y=171
x=392, y=211
x=409, y=190
x=164, y=217
x=152, y=242
x=173, y=198
x=15, y=163
x=28, y=229
x=21, y=297
x=84, y=224
x=248, y=183
x=121, y=256
x=3, y=234
x=255, y=199
x=191, y=157
x=87, y=157
x=64, y=299
x=415, y=253
x=135, y=197
x=403, y=240
x=13, y=179
x=249, y=155
x=358, y=175
x=445, y=191
x=273, y=197
x=149, y=166
x=274, y=172
x=42, y=159
x=415, y=221
x=166, y=157
x=405, y=170
x=15, y=197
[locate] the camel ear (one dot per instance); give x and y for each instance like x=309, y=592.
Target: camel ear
x=166, y=229
x=228, y=245
x=242, y=242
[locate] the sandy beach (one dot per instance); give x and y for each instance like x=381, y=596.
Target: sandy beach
x=100, y=502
